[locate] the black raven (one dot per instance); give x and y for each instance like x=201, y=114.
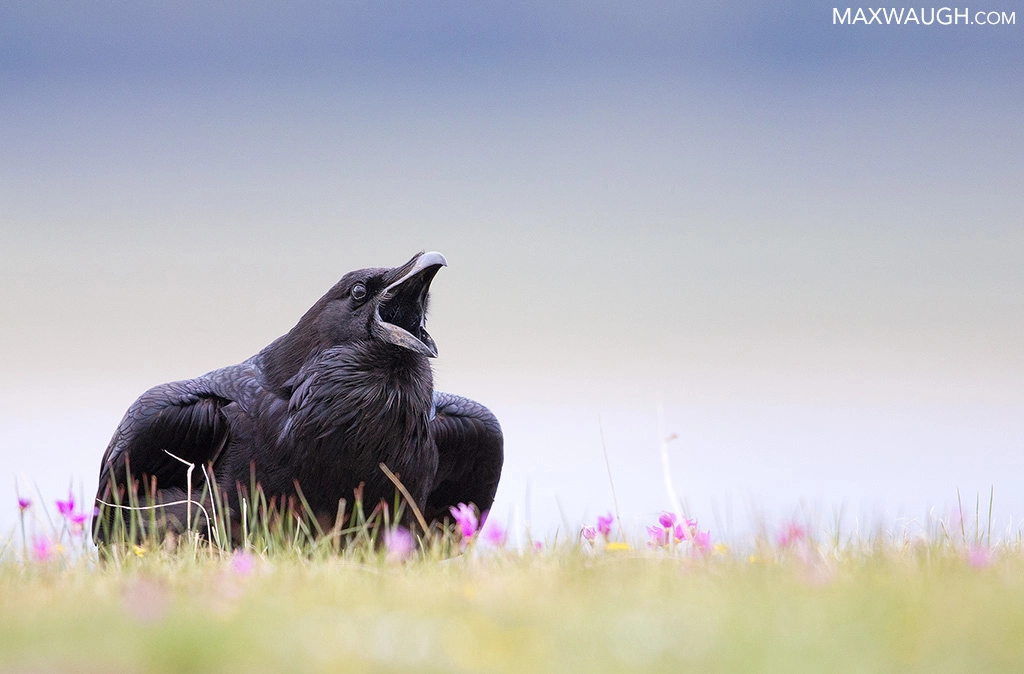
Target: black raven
x=314, y=415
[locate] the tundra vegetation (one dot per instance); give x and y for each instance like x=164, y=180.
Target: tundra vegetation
x=941, y=595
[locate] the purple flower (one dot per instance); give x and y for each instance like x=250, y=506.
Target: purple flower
x=793, y=534
x=685, y=530
x=494, y=534
x=978, y=558
x=465, y=517
x=680, y=529
x=243, y=562
x=604, y=525
x=588, y=533
x=42, y=548
x=24, y=504
x=66, y=508
x=78, y=521
x=399, y=544
x=657, y=537
x=702, y=541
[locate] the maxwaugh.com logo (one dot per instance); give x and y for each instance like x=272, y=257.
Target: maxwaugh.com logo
x=920, y=16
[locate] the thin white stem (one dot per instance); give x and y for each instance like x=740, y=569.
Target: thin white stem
x=162, y=505
x=666, y=470
x=213, y=506
x=611, y=483
x=188, y=493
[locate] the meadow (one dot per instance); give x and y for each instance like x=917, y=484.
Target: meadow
x=938, y=597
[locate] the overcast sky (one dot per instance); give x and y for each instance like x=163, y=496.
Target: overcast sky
x=803, y=240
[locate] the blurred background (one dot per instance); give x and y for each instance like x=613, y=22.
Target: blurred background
x=801, y=241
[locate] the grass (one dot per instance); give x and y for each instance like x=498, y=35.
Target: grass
x=944, y=601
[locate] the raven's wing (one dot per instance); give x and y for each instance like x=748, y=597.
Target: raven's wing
x=183, y=418
x=470, y=450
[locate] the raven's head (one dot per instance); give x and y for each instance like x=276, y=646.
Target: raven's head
x=400, y=305
x=388, y=305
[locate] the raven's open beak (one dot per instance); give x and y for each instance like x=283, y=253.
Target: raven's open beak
x=402, y=305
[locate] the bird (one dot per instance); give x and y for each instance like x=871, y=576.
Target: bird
x=321, y=414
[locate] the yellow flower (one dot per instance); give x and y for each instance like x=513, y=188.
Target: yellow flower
x=616, y=546
x=721, y=549
x=752, y=558
x=140, y=550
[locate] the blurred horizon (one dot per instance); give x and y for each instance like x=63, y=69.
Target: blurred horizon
x=802, y=240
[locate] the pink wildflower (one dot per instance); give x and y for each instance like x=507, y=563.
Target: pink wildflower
x=399, y=544
x=978, y=558
x=657, y=537
x=78, y=523
x=794, y=533
x=686, y=530
x=465, y=517
x=702, y=541
x=243, y=562
x=588, y=533
x=494, y=534
x=24, y=504
x=604, y=525
x=680, y=529
x=66, y=508
x=42, y=548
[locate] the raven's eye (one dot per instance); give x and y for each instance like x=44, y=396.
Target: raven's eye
x=358, y=292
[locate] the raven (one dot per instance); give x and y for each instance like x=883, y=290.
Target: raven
x=315, y=414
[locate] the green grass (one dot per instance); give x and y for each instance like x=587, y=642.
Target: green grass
x=872, y=606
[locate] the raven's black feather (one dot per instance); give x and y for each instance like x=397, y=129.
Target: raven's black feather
x=318, y=410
